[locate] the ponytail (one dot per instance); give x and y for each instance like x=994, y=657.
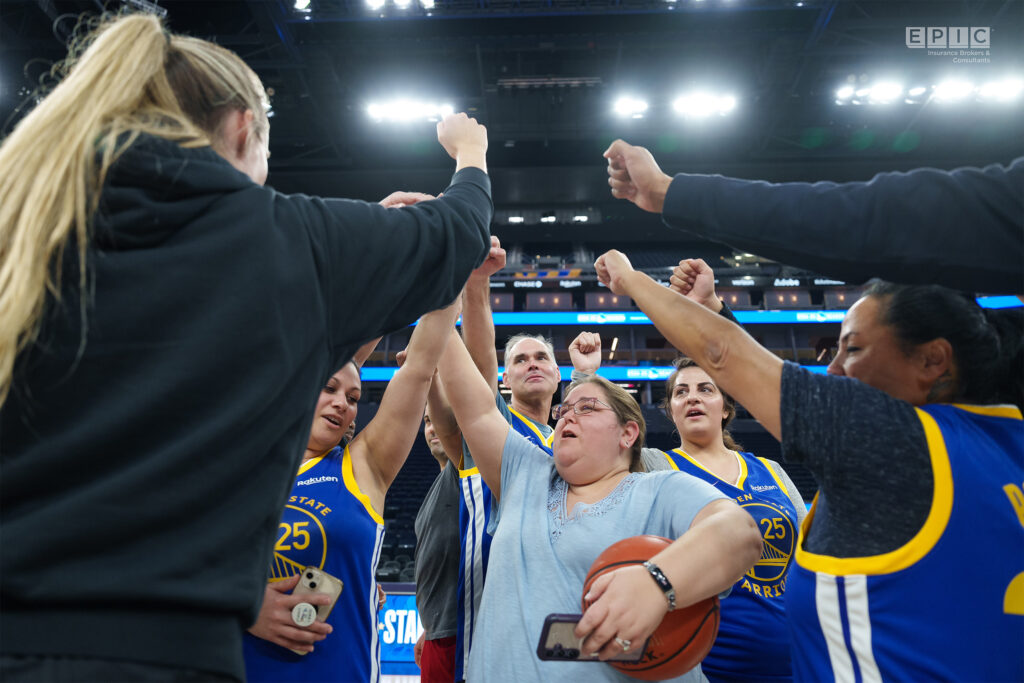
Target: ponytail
x=1008, y=365
x=132, y=78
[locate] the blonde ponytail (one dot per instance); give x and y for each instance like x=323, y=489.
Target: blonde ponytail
x=133, y=78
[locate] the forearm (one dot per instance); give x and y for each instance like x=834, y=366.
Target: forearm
x=390, y=435
x=472, y=155
x=712, y=555
x=443, y=420
x=428, y=342
x=741, y=366
x=482, y=425
x=904, y=227
x=478, y=329
x=364, y=351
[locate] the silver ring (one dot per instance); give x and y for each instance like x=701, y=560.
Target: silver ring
x=623, y=643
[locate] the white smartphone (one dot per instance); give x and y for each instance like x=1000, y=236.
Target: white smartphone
x=315, y=580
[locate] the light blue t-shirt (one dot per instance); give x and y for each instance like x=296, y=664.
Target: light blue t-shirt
x=541, y=553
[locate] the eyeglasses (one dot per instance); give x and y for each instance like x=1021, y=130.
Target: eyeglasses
x=584, y=406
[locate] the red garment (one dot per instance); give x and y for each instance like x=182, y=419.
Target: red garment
x=437, y=661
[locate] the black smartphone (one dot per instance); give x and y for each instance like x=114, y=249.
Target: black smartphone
x=558, y=643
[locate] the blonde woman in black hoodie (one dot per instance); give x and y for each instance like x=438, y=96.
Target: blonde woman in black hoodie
x=165, y=324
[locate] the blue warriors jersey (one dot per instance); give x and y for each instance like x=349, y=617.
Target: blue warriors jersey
x=753, y=639
x=328, y=523
x=474, y=516
x=949, y=604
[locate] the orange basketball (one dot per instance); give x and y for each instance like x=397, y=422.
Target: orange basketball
x=684, y=636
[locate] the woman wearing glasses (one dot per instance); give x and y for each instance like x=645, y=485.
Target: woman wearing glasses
x=553, y=516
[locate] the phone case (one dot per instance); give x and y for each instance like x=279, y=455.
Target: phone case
x=317, y=581
x=559, y=643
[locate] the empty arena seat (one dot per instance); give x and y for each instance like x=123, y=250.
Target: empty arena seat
x=786, y=298
x=736, y=299
x=549, y=301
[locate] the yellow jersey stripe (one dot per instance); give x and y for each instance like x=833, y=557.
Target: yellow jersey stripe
x=742, y=463
x=311, y=463
x=917, y=547
x=350, y=483
x=546, y=440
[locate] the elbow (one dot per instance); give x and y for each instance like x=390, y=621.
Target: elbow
x=716, y=352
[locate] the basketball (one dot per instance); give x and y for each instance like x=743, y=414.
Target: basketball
x=684, y=636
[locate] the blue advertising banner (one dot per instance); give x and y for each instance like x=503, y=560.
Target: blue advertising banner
x=614, y=373
x=398, y=627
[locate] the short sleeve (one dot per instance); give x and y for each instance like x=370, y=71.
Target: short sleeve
x=837, y=424
x=654, y=460
x=679, y=498
x=520, y=459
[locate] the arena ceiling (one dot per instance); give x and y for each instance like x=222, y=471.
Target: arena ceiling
x=543, y=76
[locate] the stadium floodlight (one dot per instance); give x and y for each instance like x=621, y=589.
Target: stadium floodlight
x=375, y=4
x=547, y=217
x=1001, y=91
x=918, y=91
x=302, y=5
x=700, y=105
x=844, y=93
x=402, y=4
x=516, y=219
x=630, y=107
x=580, y=218
x=953, y=90
x=884, y=92
x=404, y=110
x=427, y=4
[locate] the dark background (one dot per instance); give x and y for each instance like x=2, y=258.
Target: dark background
x=542, y=75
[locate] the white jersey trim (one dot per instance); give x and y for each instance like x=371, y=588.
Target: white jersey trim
x=826, y=601
x=473, y=563
x=859, y=616
x=375, y=635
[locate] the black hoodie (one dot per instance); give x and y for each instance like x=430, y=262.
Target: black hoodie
x=144, y=470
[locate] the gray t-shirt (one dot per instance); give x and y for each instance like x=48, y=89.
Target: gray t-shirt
x=437, y=555
x=869, y=454
x=542, y=552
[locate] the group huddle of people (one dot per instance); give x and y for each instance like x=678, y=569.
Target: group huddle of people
x=180, y=353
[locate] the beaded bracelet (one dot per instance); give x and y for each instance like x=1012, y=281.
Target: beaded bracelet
x=663, y=583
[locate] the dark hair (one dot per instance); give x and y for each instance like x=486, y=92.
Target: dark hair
x=626, y=409
x=987, y=345
x=729, y=402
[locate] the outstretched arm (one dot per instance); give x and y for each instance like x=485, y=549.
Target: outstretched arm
x=904, y=227
x=477, y=320
x=737, y=363
x=443, y=419
x=380, y=450
x=483, y=426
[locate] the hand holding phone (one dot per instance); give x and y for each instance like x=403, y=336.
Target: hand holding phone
x=558, y=642
x=314, y=581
